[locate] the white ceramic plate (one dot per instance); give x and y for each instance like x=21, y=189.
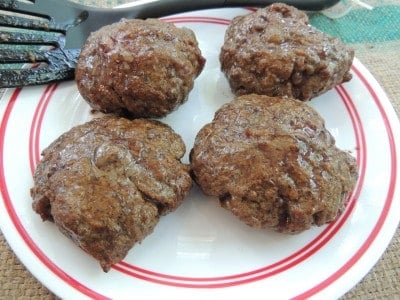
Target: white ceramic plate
x=201, y=250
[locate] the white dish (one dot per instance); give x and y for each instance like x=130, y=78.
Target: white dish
x=201, y=250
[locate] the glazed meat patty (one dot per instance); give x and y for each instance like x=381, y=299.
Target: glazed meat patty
x=138, y=68
x=273, y=164
x=276, y=52
x=106, y=183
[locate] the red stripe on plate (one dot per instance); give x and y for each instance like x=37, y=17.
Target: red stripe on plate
x=34, y=135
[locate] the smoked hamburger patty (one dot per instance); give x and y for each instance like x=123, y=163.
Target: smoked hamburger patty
x=273, y=164
x=138, y=68
x=106, y=183
x=274, y=51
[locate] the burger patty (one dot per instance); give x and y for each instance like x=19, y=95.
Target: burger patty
x=276, y=52
x=106, y=183
x=138, y=68
x=273, y=164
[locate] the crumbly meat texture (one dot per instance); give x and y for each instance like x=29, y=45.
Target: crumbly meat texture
x=106, y=183
x=138, y=68
x=276, y=52
x=273, y=164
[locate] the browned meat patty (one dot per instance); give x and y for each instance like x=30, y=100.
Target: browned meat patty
x=272, y=162
x=275, y=52
x=106, y=183
x=139, y=68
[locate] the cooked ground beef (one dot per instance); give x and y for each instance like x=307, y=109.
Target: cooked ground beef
x=139, y=68
x=272, y=162
x=106, y=183
x=274, y=51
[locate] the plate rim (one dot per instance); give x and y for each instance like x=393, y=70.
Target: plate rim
x=386, y=107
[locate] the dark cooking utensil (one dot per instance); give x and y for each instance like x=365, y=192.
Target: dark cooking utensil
x=49, y=33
